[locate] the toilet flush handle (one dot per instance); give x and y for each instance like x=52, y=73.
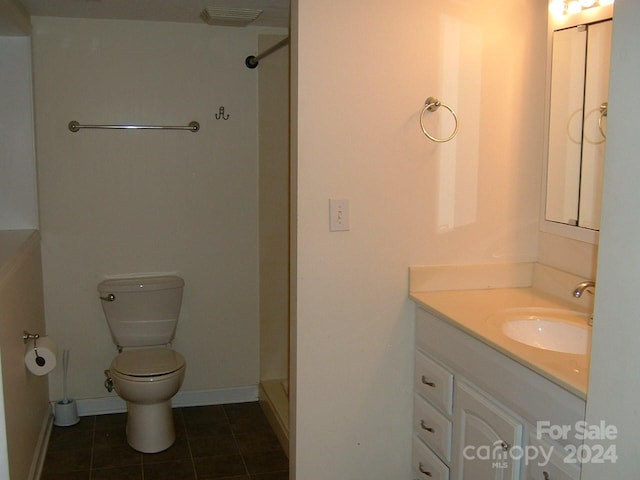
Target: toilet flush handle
x=109, y=298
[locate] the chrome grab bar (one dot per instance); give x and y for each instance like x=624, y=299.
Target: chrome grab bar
x=192, y=127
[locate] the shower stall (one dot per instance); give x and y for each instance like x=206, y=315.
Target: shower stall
x=273, y=218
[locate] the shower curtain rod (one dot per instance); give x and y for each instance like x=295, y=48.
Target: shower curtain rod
x=252, y=61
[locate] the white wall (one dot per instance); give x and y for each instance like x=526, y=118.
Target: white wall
x=273, y=93
x=363, y=71
x=614, y=384
x=115, y=202
x=18, y=198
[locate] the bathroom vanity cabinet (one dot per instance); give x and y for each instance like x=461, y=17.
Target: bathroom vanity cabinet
x=476, y=412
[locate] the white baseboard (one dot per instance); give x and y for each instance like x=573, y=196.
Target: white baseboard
x=41, y=447
x=114, y=404
x=275, y=404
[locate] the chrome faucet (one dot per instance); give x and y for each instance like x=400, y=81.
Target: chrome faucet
x=581, y=287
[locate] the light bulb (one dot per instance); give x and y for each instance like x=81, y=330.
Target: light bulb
x=557, y=7
x=574, y=6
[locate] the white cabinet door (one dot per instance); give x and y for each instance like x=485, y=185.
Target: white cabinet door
x=551, y=462
x=484, y=434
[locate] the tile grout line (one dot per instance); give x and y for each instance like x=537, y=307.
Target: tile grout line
x=93, y=442
x=244, y=422
x=235, y=440
x=186, y=434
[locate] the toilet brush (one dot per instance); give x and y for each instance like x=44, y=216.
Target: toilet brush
x=66, y=410
x=65, y=369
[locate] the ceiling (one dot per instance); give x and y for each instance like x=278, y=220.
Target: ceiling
x=275, y=12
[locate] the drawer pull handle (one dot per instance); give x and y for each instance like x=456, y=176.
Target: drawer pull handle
x=546, y=475
x=423, y=471
x=427, y=382
x=424, y=427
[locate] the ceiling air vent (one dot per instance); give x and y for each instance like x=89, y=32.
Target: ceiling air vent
x=229, y=17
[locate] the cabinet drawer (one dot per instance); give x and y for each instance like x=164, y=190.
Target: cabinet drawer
x=425, y=463
x=432, y=427
x=434, y=382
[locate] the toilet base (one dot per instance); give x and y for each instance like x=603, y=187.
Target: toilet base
x=150, y=427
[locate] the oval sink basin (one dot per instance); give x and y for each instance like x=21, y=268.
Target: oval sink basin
x=556, y=330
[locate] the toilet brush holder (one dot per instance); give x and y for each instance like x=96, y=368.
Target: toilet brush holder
x=66, y=413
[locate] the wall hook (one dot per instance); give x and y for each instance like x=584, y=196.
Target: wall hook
x=221, y=115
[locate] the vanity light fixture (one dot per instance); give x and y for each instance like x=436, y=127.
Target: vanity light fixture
x=574, y=6
x=568, y=7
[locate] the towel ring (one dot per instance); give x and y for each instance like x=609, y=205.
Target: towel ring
x=603, y=113
x=431, y=105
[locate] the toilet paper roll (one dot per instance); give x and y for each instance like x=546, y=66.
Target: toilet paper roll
x=40, y=358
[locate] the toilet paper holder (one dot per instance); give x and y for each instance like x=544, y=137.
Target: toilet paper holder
x=26, y=336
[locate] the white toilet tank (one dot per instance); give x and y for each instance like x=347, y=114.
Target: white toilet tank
x=142, y=311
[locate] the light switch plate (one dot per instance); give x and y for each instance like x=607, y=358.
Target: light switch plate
x=338, y=214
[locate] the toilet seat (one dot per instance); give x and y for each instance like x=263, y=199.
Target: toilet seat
x=148, y=362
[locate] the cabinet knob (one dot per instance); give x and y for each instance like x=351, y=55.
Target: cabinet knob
x=546, y=475
x=423, y=471
x=505, y=446
x=425, y=427
x=426, y=381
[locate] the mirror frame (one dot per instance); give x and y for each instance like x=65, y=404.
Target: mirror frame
x=592, y=15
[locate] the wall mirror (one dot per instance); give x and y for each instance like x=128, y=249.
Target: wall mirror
x=577, y=124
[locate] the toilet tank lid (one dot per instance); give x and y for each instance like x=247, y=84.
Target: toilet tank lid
x=134, y=284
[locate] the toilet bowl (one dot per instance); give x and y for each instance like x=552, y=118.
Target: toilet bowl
x=142, y=313
x=147, y=386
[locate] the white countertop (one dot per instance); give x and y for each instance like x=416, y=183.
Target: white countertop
x=468, y=310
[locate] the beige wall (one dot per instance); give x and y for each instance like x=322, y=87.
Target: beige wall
x=573, y=256
x=273, y=93
x=364, y=71
x=26, y=408
x=14, y=18
x=114, y=202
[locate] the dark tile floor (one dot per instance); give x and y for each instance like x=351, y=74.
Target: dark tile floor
x=223, y=442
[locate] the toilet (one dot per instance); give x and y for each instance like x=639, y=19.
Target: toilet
x=142, y=313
